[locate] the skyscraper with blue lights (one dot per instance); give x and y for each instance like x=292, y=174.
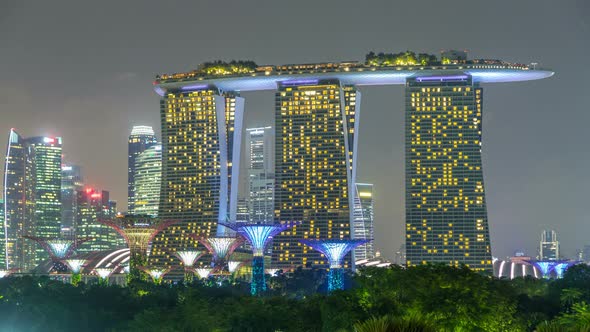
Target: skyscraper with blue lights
x=141, y=139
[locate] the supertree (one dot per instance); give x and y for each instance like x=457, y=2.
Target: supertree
x=547, y=267
x=234, y=266
x=6, y=273
x=156, y=273
x=58, y=249
x=188, y=259
x=272, y=272
x=334, y=250
x=221, y=248
x=203, y=272
x=259, y=236
x=138, y=232
x=103, y=275
x=75, y=266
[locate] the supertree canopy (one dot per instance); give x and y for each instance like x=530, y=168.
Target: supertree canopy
x=259, y=236
x=4, y=273
x=233, y=266
x=220, y=247
x=334, y=250
x=272, y=272
x=549, y=267
x=138, y=232
x=104, y=273
x=156, y=273
x=75, y=266
x=58, y=249
x=188, y=259
x=204, y=272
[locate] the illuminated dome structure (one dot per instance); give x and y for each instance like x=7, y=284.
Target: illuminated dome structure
x=515, y=269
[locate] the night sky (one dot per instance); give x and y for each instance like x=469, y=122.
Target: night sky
x=83, y=70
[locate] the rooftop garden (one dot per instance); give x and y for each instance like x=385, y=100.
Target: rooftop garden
x=407, y=58
x=221, y=68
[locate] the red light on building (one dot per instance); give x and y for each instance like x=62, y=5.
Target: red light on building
x=95, y=195
x=89, y=190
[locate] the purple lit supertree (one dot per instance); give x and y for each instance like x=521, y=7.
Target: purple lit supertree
x=58, y=249
x=138, y=232
x=334, y=250
x=259, y=236
x=221, y=248
x=188, y=259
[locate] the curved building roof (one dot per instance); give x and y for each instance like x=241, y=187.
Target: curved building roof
x=511, y=270
x=360, y=76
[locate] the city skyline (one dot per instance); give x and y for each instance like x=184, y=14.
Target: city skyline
x=514, y=221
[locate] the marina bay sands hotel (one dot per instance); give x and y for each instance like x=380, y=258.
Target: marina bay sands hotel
x=317, y=109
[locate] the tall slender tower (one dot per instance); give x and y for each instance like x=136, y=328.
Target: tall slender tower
x=446, y=217
x=315, y=166
x=71, y=183
x=260, y=149
x=16, y=222
x=45, y=154
x=201, y=134
x=363, y=221
x=141, y=138
x=147, y=177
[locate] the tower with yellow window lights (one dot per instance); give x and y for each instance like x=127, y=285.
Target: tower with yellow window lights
x=316, y=125
x=446, y=216
x=201, y=132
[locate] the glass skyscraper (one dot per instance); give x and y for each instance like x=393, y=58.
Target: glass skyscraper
x=314, y=180
x=141, y=138
x=32, y=197
x=71, y=183
x=549, y=246
x=364, y=220
x=446, y=217
x=260, y=150
x=201, y=134
x=147, y=178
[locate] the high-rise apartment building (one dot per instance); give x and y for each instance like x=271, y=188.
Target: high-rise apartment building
x=314, y=157
x=201, y=135
x=260, y=150
x=141, y=138
x=92, y=206
x=32, y=197
x=549, y=246
x=71, y=183
x=363, y=220
x=446, y=217
x=147, y=181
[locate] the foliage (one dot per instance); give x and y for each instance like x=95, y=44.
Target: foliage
x=220, y=68
x=407, y=58
x=424, y=298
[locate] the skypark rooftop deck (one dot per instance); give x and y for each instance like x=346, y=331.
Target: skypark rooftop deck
x=267, y=77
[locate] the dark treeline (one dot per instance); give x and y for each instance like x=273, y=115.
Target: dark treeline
x=426, y=298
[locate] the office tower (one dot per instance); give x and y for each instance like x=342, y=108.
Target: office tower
x=363, y=220
x=260, y=150
x=549, y=246
x=45, y=155
x=94, y=205
x=141, y=138
x=16, y=222
x=446, y=217
x=201, y=132
x=243, y=211
x=147, y=179
x=71, y=183
x=314, y=179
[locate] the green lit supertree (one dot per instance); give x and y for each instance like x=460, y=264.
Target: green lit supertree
x=138, y=232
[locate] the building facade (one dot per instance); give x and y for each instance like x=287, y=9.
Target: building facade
x=71, y=183
x=201, y=135
x=32, y=197
x=549, y=246
x=92, y=206
x=141, y=139
x=147, y=181
x=314, y=181
x=446, y=216
x=364, y=220
x=260, y=150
